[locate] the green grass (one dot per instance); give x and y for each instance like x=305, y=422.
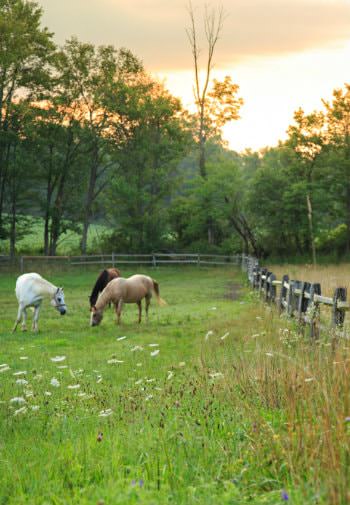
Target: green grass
x=205, y=421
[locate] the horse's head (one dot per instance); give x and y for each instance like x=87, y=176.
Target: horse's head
x=96, y=316
x=58, y=301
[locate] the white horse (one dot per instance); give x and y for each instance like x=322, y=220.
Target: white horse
x=30, y=291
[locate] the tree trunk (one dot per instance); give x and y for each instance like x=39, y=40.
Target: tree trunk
x=348, y=219
x=89, y=200
x=13, y=227
x=311, y=230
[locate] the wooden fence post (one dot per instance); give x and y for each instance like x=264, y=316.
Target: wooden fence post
x=154, y=262
x=113, y=259
x=22, y=264
x=315, y=289
x=273, y=289
x=283, y=293
x=338, y=315
x=290, y=296
x=267, y=286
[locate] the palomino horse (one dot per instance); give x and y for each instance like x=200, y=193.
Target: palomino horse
x=103, y=279
x=119, y=291
x=30, y=291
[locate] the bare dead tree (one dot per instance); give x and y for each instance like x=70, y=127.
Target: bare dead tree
x=213, y=24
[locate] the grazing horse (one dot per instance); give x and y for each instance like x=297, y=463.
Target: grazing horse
x=119, y=291
x=103, y=279
x=30, y=291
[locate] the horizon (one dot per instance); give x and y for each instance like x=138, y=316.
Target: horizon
x=295, y=60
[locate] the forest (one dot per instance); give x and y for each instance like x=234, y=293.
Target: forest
x=88, y=137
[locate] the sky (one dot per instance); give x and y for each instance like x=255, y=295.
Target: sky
x=284, y=54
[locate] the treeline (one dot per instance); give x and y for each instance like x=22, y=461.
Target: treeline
x=87, y=135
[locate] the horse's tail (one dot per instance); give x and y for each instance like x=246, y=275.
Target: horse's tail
x=160, y=300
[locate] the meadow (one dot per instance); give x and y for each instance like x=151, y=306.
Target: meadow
x=216, y=399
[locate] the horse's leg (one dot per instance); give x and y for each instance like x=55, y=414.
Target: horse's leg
x=24, y=319
x=119, y=310
x=139, y=304
x=36, y=318
x=148, y=301
x=19, y=317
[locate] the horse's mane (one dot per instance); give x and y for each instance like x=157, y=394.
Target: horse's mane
x=101, y=283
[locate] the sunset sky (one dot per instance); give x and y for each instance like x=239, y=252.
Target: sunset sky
x=283, y=53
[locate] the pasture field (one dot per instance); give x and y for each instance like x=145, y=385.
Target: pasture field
x=216, y=399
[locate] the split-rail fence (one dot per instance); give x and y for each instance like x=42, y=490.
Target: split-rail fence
x=299, y=299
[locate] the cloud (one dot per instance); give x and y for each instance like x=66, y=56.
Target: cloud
x=155, y=29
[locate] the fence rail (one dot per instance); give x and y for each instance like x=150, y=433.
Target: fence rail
x=299, y=299
x=155, y=259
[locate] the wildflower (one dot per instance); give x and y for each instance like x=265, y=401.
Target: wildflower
x=309, y=379
x=62, y=366
x=150, y=380
x=121, y=338
x=215, y=375
x=213, y=308
x=255, y=335
x=284, y=496
x=58, y=359
x=21, y=382
x=22, y=372
x=22, y=410
x=105, y=413
x=170, y=375
x=23, y=357
x=113, y=360
x=99, y=379
x=209, y=333
x=269, y=354
x=134, y=482
x=148, y=397
x=48, y=393
x=153, y=345
x=35, y=407
x=138, y=382
x=4, y=368
x=18, y=399
x=55, y=383
x=224, y=336
x=137, y=348
x=155, y=353
x=182, y=363
x=73, y=386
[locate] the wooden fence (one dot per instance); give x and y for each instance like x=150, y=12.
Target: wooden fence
x=155, y=259
x=298, y=299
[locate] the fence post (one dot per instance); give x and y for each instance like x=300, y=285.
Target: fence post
x=290, y=295
x=199, y=260
x=267, y=286
x=273, y=290
x=315, y=289
x=22, y=264
x=113, y=259
x=154, y=262
x=338, y=315
x=283, y=293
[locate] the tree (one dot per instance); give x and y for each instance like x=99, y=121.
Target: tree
x=214, y=108
x=26, y=52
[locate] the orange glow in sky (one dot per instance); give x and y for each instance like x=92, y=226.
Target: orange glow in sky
x=284, y=54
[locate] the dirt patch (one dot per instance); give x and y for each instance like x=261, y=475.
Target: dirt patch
x=233, y=291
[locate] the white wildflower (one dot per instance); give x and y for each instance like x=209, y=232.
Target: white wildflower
x=62, y=366
x=121, y=338
x=209, y=333
x=225, y=335
x=255, y=335
x=4, y=368
x=215, y=375
x=21, y=382
x=153, y=345
x=113, y=361
x=150, y=380
x=139, y=382
x=22, y=410
x=73, y=386
x=99, y=379
x=137, y=348
x=148, y=397
x=182, y=363
x=35, y=407
x=170, y=375
x=54, y=382
x=309, y=379
x=18, y=399
x=269, y=354
x=22, y=372
x=105, y=413
x=58, y=359
x=155, y=353
x=48, y=393
x=23, y=357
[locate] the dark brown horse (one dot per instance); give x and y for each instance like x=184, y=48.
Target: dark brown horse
x=103, y=279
